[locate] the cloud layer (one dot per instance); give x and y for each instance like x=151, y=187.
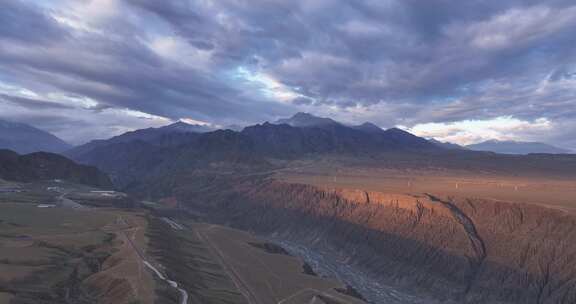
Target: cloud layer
x=93, y=68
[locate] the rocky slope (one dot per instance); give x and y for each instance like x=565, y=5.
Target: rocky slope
x=446, y=250
x=47, y=166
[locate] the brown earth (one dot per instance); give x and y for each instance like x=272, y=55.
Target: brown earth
x=123, y=278
x=548, y=191
x=449, y=247
x=58, y=255
x=265, y=277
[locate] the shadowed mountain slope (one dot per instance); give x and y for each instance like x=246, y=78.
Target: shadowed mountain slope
x=24, y=138
x=173, y=134
x=47, y=166
x=154, y=152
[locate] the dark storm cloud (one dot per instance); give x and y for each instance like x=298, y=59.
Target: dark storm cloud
x=302, y=101
x=23, y=22
x=122, y=71
x=33, y=103
x=418, y=61
x=364, y=52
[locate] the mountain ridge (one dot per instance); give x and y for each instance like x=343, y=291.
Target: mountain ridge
x=39, y=166
x=302, y=119
x=129, y=156
x=177, y=129
x=24, y=138
x=517, y=147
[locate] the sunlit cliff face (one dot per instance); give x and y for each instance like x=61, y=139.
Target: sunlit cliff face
x=464, y=72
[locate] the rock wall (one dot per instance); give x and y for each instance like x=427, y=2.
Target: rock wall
x=448, y=249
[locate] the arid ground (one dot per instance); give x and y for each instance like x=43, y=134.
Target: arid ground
x=55, y=252
x=546, y=190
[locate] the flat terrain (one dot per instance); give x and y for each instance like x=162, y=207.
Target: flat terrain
x=58, y=253
x=552, y=192
x=55, y=249
x=217, y=264
x=266, y=276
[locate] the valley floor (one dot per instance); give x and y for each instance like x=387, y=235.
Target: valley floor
x=404, y=235
x=250, y=270
x=55, y=250
x=60, y=254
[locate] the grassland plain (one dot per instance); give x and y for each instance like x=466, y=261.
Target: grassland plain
x=57, y=254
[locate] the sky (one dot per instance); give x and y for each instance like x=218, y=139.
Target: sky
x=460, y=71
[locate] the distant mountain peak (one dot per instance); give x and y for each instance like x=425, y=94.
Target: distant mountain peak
x=182, y=126
x=369, y=124
x=516, y=147
x=369, y=127
x=398, y=131
x=302, y=119
x=446, y=144
x=304, y=115
x=24, y=139
x=179, y=123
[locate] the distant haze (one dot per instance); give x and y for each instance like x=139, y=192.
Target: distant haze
x=24, y=139
x=515, y=147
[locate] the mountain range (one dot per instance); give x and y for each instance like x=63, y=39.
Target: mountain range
x=24, y=138
x=233, y=177
x=137, y=154
x=517, y=147
x=151, y=157
x=167, y=135
x=151, y=153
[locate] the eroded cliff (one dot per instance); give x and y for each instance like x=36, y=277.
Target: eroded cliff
x=445, y=249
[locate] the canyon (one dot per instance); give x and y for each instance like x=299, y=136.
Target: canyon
x=310, y=210
x=423, y=248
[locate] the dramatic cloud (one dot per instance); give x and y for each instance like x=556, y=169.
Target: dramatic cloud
x=473, y=131
x=419, y=64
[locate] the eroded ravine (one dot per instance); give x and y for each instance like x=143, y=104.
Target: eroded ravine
x=475, y=240
x=432, y=248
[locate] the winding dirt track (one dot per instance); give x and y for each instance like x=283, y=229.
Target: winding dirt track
x=183, y=294
x=267, y=291
x=236, y=279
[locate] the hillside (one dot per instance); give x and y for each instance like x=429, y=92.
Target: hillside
x=48, y=166
x=24, y=138
x=172, y=134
